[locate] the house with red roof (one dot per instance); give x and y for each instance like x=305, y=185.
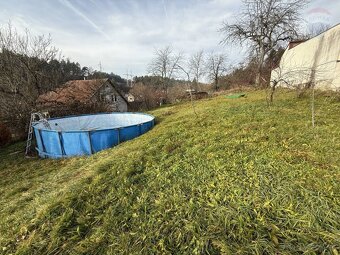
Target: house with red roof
x=84, y=92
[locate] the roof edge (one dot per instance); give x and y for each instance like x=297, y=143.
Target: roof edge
x=118, y=91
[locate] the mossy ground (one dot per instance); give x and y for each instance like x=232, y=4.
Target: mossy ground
x=238, y=178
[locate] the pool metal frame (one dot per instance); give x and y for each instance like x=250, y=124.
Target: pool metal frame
x=43, y=153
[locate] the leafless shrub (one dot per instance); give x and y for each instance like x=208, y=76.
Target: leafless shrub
x=146, y=97
x=5, y=135
x=177, y=93
x=22, y=58
x=78, y=109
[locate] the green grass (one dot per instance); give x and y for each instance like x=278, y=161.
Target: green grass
x=240, y=178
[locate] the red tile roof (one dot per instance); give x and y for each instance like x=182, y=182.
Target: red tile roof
x=71, y=92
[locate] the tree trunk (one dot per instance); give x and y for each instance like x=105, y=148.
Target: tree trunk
x=313, y=105
x=272, y=92
x=259, y=67
x=216, y=83
x=257, y=78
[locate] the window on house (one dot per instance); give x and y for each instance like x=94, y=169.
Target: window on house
x=108, y=98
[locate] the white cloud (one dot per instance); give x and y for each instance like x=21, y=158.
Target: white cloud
x=123, y=34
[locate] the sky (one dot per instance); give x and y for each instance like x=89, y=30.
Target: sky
x=121, y=36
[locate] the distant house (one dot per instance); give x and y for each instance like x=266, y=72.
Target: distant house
x=314, y=61
x=84, y=92
x=130, y=98
x=195, y=94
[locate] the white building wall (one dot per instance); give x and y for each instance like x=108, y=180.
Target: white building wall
x=315, y=59
x=121, y=104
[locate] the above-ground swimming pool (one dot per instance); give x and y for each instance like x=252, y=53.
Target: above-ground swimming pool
x=88, y=134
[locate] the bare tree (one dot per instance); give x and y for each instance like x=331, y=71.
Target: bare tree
x=22, y=61
x=216, y=67
x=188, y=83
x=165, y=65
x=315, y=29
x=264, y=25
x=196, y=67
x=24, y=53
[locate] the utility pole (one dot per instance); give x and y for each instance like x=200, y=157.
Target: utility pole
x=128, y=76
x=131, y=79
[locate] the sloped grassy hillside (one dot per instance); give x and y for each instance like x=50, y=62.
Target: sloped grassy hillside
x=238, y=178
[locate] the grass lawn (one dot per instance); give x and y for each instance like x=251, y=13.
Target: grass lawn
x=238, y=178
